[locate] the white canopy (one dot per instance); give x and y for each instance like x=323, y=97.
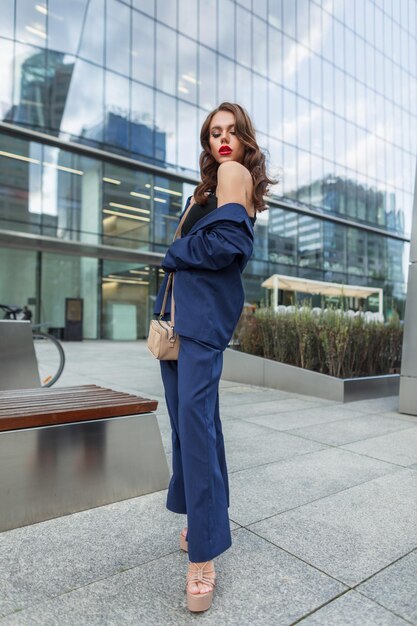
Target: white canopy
x=320, y=287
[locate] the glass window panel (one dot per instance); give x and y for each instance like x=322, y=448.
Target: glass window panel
x=289, y=63
x=126, y=304
x=166, y=213
x=290, y=171
x=22, y=263
x=260, y=102
x=356, y=251
x=370, y=66
x=328, y=85
x=166, y=55
x=60, y=69
x=166, y=12
x=64, y=276
x=260, y=47
x=142, y=124
x=66, y=25
x=360, y=18
x=207, y=32
x=71, y=202
x=339, y=92
x=350, y=109
x=303, y=124
x=127, y=209
x=350, y=15
x=30, y=96
x=303, y=176
x=118, y=17
x=143, y=49
x=361, y=114
x=243, y=36
x=6, y=83
x=274, y=165
x=7, y=19
x=31, y=22
x=146, y=6
x=379, y=72
x=275, y=55
x=20, y=184
x=207, y=77
x=303, y=74
x=226, y=81
x=187, y=18
x=226, y=29
x=116, y=124
x=350, y=52
x=188, y=143
x=166, y=129
x=316, y=27
x=339, y=47
x=303, y=20
x=370, y=109
x=275, y=14
x=290, y=117
x=361, y=49
x=316, y=195
x=376, y=256
x=260, y=7
x=275, y=111
x=310, y=242
x=289, y=18
x=282, y=236
x=244, y=89
x=351, y=146
x=327, y=39
x=316, y=70
x=317, y=130
x=187, y=69
x=334, y=247
x=83, y=113
x=379, y=28
x=388, y=25
x=340, y=139
x=92, y=42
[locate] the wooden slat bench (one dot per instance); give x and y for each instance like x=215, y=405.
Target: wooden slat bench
x=67, y=449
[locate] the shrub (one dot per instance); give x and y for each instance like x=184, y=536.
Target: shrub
x=330, y=343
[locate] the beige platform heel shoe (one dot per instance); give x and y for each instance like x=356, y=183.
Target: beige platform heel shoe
x=200, y=573
x=183, y=543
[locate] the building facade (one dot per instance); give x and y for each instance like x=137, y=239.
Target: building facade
x=101, y=102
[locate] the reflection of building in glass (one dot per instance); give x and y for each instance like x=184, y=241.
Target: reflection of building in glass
x=119, y=90
x=136, y=137
x=44, y=82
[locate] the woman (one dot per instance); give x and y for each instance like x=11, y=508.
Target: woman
x=215, y=245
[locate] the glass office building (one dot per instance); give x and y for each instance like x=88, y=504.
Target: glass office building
x=101, y=102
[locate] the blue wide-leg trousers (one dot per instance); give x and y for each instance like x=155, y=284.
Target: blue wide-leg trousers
x=199, y=484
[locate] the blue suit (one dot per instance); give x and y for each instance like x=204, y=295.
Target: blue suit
x=209, y=297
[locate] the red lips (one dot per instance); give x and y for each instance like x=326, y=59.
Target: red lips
x=225, y=150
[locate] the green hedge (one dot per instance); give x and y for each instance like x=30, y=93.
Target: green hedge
x=330, y=343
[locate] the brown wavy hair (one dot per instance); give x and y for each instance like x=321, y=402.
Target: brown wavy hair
x=253, y=160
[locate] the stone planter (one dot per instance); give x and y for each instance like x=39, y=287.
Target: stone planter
x=246, y=368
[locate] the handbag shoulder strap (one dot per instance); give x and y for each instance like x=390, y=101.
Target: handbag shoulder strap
x=171, y=275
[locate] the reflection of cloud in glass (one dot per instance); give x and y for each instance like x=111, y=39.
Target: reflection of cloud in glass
x=84, y=105
x=310, y=41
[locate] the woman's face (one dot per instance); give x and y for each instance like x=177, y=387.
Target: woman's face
x=224, y=144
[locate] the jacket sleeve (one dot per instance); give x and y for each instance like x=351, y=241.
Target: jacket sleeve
x=211, y=249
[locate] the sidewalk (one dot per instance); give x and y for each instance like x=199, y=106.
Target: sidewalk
x=323, y=514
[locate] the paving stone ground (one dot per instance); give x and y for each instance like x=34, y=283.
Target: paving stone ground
x=323, y=515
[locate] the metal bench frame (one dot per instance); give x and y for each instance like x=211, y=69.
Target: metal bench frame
x=47, y=471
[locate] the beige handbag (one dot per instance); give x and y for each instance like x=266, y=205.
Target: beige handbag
x=163, y=341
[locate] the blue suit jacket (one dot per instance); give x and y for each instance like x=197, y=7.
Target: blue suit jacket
x=208, y=263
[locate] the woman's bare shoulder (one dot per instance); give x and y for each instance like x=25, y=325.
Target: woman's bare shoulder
x=235, y=180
